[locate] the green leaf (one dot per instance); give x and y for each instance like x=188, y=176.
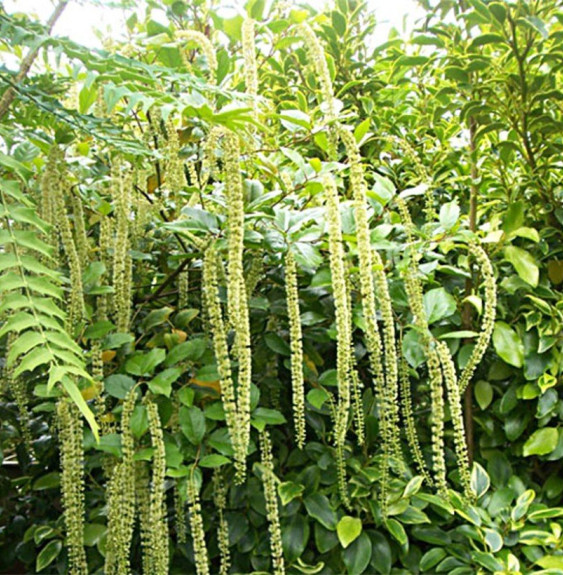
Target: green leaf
x=213, y=460
x=431, y=558
x=413, y=486
x=413, y=348
x=48, y=554
x=397, y=531
x=508, y=345
x=268, y=416
x=110, y=443
x=295, y=535
x=317, y=397
x=480, y=481
x=157, y=317
x=277, y=344
x=524, y=264
x=357, y=556
x=361, y=130
x=382, y=557
x=191, y=350
x=483, y=393
x=47, y=481
x=487, y=560
x=541, y=442
x=93, y=533
x=98, y=330
x=438, y=304
x=144, y=364
x=348, y=529
x=76, y=396
x=118, y=385
x=484, y=39
x=288, y=491
x=319, y=508
x=192, y=423
x=162, y=383
x=449, y=215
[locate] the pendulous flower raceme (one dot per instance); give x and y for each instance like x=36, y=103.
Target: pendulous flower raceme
x=296, y=344
x=206, y=47
x=121, y=497
x=341, y=305
x=196, y=525
x=489, y=313
x=272, y=511
x=235, y=419
x=70, y=426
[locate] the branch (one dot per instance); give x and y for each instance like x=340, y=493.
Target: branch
x=27, y=62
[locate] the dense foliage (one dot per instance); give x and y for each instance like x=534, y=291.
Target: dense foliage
x=260, y=275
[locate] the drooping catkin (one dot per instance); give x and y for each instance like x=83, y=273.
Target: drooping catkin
x=143, y=505
x=272, y=511
x=420, y=170
x=121, y=497
x=296, y=344
x=341, y=303
x=201, y=557
x=159, y=560
x=174, y=166
x=410, y=425
x=249, y=55
x=80, y=237
x=386, y=383
x=183, y=288
x=254, y=274
x=391, y=394
x=489, y=313
x=69, y=422
x=49, y=182
x=220, y=501
x=206, y=47
x=121, y=257
x=17, y=387
x=317, y=59
x=76, y=305
x=237, y=302
x=413, y=287
x=356, y=382
x=220, y=346
x=456, y=412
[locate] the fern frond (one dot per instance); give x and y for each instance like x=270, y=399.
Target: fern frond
x=30, y=291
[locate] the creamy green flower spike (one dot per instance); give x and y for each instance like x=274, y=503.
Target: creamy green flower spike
x=272, y=511
x=121, y=497
x=122, y=264
x=80, y=238
x=249, y=55
x=296, y=344
x=70, y=426
x=317, y=59
x=220, y=346
x=220, y=500
x=410, y=425
x=143, y=504
x=174, y=168
x=456, y=412
x=489, y=313
x=341, y=305
x=157, y=512
x=58, y=192
x=196, y=525
x=413, y=288
x=206, y=47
